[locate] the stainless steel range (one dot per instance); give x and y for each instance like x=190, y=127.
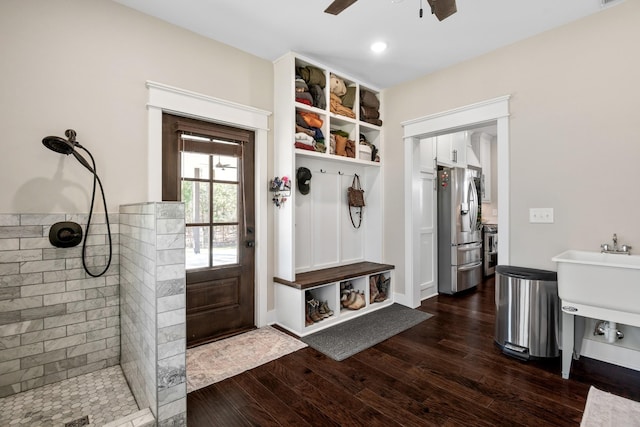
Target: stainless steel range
x=490, y=243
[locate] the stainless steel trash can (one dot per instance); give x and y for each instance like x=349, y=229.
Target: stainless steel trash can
x=527, y=312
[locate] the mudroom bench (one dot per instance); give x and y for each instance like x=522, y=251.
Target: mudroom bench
x=301, y=303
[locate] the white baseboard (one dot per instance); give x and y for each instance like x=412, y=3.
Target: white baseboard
x=610, y=353
x=427, y=293
x=404, y=299
x=272, y=318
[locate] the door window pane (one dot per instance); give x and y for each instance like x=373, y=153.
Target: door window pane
x=225, y=245
x=197, y=247
x=195, y=195
x=225, y=168
x=225, y=202
x=223, y=252
x=195, y=165
x=207, y=176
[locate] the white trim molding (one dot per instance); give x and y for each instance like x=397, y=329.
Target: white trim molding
x=485, y=112
x=164, y=98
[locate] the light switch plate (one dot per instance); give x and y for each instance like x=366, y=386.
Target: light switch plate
x=541, y=215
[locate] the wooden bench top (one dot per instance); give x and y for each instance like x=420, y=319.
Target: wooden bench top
x=310, y=279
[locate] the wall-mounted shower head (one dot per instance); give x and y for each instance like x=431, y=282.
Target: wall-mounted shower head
x=67, y=146
x=57, y=144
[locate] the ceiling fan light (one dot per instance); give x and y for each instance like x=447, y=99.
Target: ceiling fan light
x=379, y=47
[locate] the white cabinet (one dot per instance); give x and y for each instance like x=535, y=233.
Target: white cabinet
x=425, y=221
x=481, y=143
x=444, y=150
x=452, y=149
x=485, y=161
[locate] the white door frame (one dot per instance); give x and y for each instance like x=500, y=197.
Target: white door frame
x=493, y=110
x=163, y=98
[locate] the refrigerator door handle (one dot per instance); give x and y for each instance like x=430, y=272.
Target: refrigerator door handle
x=471, y=266
x=464, y=208
x=473, y=203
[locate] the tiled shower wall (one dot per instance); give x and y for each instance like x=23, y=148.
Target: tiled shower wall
x=56, y=322
x=153, y=308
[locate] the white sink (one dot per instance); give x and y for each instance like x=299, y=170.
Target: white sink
x=597, y=286
x=606, y=281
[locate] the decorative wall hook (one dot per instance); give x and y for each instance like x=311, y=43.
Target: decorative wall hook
x=281, y=189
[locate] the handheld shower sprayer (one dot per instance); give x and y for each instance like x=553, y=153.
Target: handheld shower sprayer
x=68, y=146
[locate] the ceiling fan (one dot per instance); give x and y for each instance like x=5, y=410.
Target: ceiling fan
x=441, y=8
x=223, y=166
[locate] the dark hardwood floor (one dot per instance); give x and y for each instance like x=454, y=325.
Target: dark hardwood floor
x=446, y=371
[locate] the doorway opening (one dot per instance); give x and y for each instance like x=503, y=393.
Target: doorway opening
x=420, y=229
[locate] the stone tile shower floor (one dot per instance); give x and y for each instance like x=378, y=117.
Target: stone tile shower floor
x=102, y=395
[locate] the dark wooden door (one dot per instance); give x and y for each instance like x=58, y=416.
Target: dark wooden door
x=210, y=167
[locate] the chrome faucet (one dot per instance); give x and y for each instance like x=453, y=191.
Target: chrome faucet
x=606, y=249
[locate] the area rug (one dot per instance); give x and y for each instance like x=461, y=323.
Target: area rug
x=606, y=409
x=219, y=360
x=348, y=338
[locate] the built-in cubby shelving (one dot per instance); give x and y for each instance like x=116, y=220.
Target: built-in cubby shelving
x=288, y=68
x=313, y=231
x=325, y=285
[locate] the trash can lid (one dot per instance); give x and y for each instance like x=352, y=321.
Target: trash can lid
x=527, y=273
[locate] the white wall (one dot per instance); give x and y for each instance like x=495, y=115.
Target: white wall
x=574, y=141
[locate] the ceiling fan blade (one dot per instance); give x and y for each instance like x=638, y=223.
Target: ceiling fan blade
x=443, y=8
x=338, y=6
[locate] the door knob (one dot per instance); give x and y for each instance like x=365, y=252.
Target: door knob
x=251, y=243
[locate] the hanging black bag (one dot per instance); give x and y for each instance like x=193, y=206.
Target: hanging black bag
x=355, y=197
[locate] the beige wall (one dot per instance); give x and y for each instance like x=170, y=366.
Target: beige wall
x=83, y=65
x=574, y=143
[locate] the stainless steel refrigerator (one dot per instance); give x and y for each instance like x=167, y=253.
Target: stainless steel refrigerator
x=459, y=229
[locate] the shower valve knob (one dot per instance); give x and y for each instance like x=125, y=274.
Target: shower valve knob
x=65, y=234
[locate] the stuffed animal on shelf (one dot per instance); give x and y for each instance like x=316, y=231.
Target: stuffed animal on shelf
x=336, y=85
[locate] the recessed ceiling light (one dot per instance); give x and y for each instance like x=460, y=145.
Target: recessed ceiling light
x=378, y=47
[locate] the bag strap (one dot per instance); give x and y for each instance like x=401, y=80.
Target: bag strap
x=356, y=186
x=356, y=182
x=351, y=218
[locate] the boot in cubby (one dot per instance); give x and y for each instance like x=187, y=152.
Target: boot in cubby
x=373, y=288
x=383, y=285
